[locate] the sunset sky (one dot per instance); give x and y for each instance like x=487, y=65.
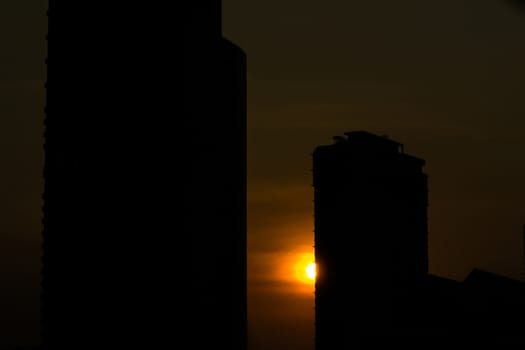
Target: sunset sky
x=445, y=78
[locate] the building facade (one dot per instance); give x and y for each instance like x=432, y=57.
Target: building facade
x=135, y=178
x=214, y=187
x=371, y=237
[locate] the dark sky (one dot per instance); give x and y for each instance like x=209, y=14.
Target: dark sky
x=22, y=74
x=446, y=78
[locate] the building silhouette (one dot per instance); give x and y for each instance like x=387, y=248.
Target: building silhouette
x=214, y=194
x=370, y=221
x=98, y=185
x=371, y=248
x=128, y=171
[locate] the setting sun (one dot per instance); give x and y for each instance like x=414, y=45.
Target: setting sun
x=310, y=271
x=304, y=268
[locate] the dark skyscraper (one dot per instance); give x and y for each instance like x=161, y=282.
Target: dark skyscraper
x=97, y=174
x=370, y=235
x=128, y=172
x=214, y=191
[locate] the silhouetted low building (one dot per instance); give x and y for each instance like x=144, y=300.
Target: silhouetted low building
x=494, y=306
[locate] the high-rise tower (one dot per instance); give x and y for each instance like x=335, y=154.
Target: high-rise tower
x=97, y=225
x=214, y=188
x=132, y=179
x=370, y=235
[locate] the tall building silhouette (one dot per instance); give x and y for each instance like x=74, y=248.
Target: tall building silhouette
x=370, y=233
x=214, y=189
x=128, y=171
x=373, y=287
x=97, y=178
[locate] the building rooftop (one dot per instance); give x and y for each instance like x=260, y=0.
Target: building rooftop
x=366, y=140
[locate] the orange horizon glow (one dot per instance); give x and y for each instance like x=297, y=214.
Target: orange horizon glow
x=293, y=270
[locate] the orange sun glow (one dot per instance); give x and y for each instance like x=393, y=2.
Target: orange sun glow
x=310, y=271
x=304, y=268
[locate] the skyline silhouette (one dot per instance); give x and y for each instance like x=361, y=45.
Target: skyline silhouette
x=444, y=77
